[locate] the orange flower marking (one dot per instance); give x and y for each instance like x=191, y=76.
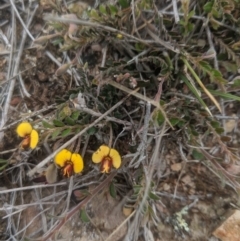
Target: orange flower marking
x=68, y=169
x=108, y=158
x=106, y=165
x=26, y=142
x=29, y=135
x=70, y=163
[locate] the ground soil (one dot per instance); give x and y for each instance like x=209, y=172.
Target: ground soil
x=184, y=184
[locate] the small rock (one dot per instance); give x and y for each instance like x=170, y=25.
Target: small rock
x=229, y=230
x=176, y=167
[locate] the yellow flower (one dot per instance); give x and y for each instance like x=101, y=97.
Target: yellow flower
x=108, y=157
x=29, y=135
x=69, y=162
x=119, y=36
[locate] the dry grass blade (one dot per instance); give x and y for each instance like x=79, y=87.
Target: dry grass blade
x=202, y=85
x=148, y=174
x=15, y=68
x=95, y=25
x=20, y=19
x=175, y=11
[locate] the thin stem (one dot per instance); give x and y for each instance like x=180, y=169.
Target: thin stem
x=175, y=11
x=31, y=187
x=21, y=21
x=25, y=92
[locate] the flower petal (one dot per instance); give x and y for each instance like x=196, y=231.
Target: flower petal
x=116, y=158
x=102, y=152
x=33, y=139
x=77, y=162
x=62, y=156
x=24, y=129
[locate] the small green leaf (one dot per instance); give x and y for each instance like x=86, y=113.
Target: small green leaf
x=219, y=130
x=3, y=167
x=153, y=196
x=47, y=125
x=181, y=22
x=66, y=132
x=205, y=65
x=124, y=3
x=77, y=130
x=190, y=27
x=215, y=124
x=216, y=73
x=75, y=115
x=195, y=133
x=57, y=41
x=55, y=134
x=94, y=14
x=208, y=7
x=92, y=130
x=4, y=162
x=69, y=121
x=84, y=217
x=112, y=190
x=216, y=13
x=217, y=76
x=139, y=46
x=58, y=123
x=236, y=82
x=160, y=118
x=102, y=9
x=174, y=121
x=190, y=14
x=137, y=188
x=197, y=155
x=113, y=9
x=180, y=124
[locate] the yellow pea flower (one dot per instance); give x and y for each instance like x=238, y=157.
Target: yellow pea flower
x=29, y=135
x=70, y=163
x=108, y=157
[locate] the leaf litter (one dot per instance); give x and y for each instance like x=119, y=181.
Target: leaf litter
x=155, y=81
